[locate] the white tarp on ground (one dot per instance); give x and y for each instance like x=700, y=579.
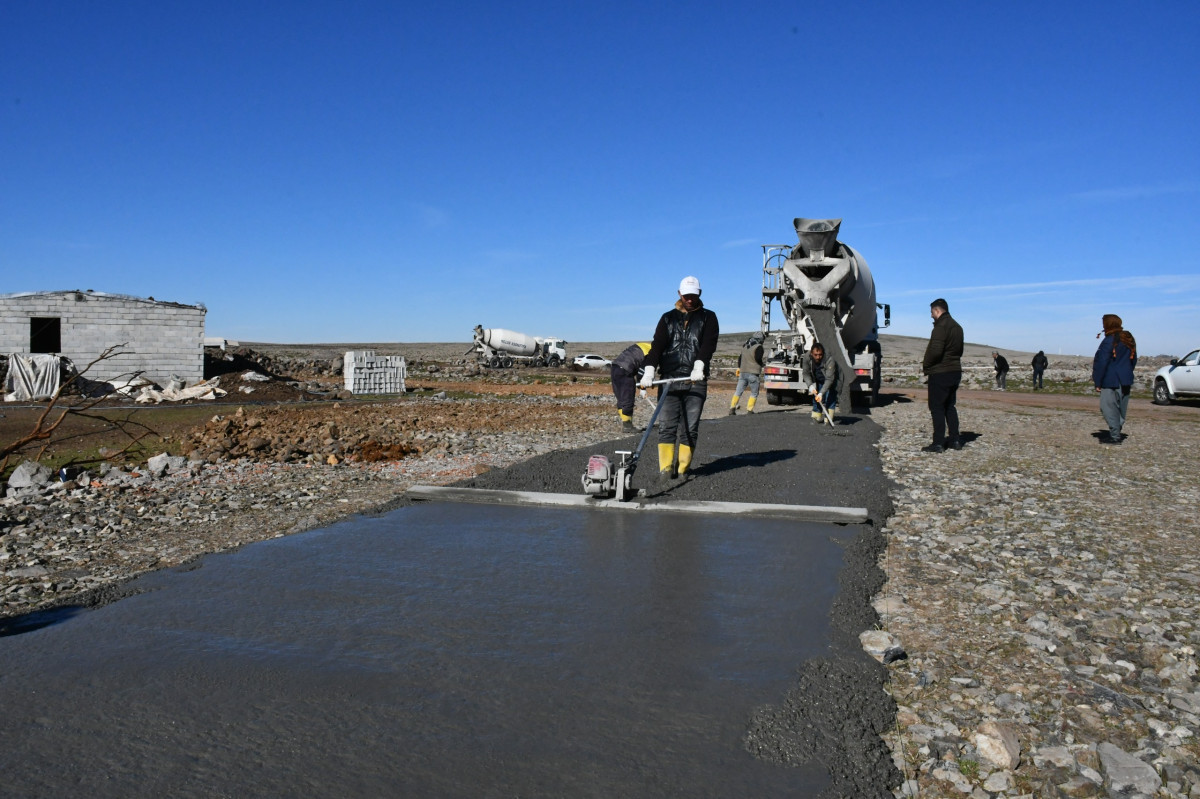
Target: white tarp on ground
x=205, y=391
x=32, y=377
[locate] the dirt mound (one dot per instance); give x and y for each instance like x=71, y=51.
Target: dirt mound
x=336, y=432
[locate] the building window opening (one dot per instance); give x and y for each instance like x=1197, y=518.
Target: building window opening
x=45, y=334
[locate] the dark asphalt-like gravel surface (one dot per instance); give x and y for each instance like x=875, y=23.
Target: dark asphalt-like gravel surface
x=837, y=709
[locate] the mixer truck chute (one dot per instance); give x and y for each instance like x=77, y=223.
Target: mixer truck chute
x=827, y=294
x=500, y=348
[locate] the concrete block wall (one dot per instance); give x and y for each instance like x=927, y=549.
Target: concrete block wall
x=368, y=373
x=162, y=339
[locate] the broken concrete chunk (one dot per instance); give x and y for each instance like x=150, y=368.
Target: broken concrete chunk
x=877, y=642
x=1124, y=773
x=998, y=744
x=29, y=475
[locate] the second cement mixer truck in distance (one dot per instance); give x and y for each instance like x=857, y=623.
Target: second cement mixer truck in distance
x=827, y=295
x=500, y=348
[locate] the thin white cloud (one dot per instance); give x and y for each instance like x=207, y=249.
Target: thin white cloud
x=739, y=243
x=1167, y=283
x=1123, y=193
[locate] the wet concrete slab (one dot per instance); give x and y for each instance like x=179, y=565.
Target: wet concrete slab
x=438, y=650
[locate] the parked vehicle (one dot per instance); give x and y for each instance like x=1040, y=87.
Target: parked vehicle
x=1180, y=379
x=591, y=361
x=827, y=295
x=500, y=348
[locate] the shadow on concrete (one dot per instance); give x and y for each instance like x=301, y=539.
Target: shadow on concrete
x=28, y=622
x=744, y=459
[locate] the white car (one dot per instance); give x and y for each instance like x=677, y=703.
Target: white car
x=1180, y=379
x=591, y=361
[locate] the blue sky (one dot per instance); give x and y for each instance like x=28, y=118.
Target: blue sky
x=383, y=171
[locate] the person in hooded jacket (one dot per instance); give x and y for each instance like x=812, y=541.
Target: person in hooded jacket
x=1039, y=363
x=624, y=371
x=749, y=374
x=683, y=345
x=1112, y=374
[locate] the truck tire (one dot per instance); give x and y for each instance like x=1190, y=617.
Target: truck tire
x=554, y=361
x=508, y=362
x=494, y=362
x=783, y=397
x=539, y=361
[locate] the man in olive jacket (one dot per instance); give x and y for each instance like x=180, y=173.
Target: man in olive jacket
x=943, y=364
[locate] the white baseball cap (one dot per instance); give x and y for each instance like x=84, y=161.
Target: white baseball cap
x=689, y=285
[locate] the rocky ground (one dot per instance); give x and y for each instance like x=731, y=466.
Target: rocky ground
x=1044, y=587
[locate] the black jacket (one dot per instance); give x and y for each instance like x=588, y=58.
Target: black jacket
x=944, y=353
x=682, y=338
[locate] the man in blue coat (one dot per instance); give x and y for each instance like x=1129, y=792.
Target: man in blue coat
x=1112, y=374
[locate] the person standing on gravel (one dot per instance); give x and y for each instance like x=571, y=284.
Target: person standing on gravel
x=1001, y=371
x=1112, y=374
x=684, y=342
x=750, y=368
x=625, y=368
x=1039, y=363
x=824, y=377
x=943, y=365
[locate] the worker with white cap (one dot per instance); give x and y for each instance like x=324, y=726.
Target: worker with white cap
x=684, y=342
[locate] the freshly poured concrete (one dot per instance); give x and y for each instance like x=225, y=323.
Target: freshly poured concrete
x=440, y=650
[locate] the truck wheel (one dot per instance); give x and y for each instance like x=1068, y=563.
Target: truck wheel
x=508, y=363
x=1162, y=396
x=773, y=397
x=539, y=361
x=494, y=362
x=554, y=361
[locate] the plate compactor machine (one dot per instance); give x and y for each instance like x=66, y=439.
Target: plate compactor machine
x=603, y=480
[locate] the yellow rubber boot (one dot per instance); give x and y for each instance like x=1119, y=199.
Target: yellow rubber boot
x=816, y=415
x=750, y=404
x=666, y=457
x=624, y=417
x=685, y=457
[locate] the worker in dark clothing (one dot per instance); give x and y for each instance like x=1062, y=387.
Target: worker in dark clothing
x=823, y=377
x=1040, y=362
x=1001, y=371
x=625, y=369
x=684, y=342
x=943, y=364
x=749, y=373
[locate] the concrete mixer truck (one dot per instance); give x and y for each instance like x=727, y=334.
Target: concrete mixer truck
x=500, y=348
x=827, y=295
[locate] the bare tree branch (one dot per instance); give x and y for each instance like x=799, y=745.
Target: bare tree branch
x=44, y=428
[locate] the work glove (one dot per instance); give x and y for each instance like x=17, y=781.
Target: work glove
x=647, y=377
x=737, y=373
x=697, y=375
x=812, y=389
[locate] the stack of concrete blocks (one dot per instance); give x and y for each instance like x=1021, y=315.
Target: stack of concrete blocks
x=368, y=373
x=161, y=339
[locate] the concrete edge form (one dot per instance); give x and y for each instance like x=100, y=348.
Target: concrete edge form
x=808, y=513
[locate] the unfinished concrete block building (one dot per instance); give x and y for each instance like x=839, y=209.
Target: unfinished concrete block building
x=162, y=339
